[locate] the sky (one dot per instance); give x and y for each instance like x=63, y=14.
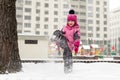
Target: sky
x=114, y=4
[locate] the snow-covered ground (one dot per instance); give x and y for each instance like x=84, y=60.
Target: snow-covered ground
x=54, y=71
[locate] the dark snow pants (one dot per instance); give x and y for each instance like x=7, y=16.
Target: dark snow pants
x=67, y=57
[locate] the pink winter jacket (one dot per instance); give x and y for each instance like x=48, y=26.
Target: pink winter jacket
x=69, y=34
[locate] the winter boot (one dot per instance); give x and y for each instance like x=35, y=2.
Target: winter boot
x=68, y=64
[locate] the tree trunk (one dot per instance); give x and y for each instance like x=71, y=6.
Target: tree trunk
x=9, y=52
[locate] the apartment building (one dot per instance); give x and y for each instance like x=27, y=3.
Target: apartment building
x=114, y=25
x=42, y=17
x=97, y=21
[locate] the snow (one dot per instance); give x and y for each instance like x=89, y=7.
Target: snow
x=54, y=71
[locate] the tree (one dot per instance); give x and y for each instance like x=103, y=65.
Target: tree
x=9, y=52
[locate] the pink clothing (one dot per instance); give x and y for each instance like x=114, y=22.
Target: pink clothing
x=69, y=34
x=70, y=31
x=76, y=46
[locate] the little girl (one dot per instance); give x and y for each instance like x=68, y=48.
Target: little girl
x=72, y=33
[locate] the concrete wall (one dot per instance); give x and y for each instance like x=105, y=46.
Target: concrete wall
x=33, y=51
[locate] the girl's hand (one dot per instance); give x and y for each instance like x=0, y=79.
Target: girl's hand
x=76, y=46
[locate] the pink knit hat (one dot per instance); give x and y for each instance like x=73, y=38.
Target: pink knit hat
x=72, y=16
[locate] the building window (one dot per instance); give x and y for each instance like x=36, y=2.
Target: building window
x=20, y=1
x=37, y=25
x=105, y=9
x=97, y=15
x=37, y=18
x=74, y=6
x=82, y=7
x=90, y=1
x=97, y=2
x=97, y=22
x=105, y=16
x=46, y=12
x=46, y=5
x=105, y=3
x=46, y=19
x=65, y=6
x=98, y=35
x=64, y=20
x=19, y=16
x=90, y=14
x=19, y=31
x=105, y=42
x=81, y=0
x=37, y=3
x=90, y=35
x=83, y=34
x=90, y=8
x=55, y=26
x=27, y=25
x=105, y=35
x=31, y=41
x=105, y=22
x=28, y=2
x=45, y=26
x=27, y=31
x=90, y=28
x=65, y=13
x=55, y=19
x=77, y=12
x=82, y=20
x=19, y=8
x=97, y=29
x=27, y=17
x=55, y=5
x=19, y=27
x=97, y=9
x=37, y=32
x=82, y=27
x=90, y=21
x=37, y=11
x=82, y=13
x=55, y=12
x=105, y=28
x=19, y=24
x=27, y=9
x=45, y=33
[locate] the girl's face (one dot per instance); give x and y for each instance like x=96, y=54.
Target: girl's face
x=71, y=23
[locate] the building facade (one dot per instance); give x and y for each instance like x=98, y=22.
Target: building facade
x=114, y=24
x=42, y=17
x=97, y=21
